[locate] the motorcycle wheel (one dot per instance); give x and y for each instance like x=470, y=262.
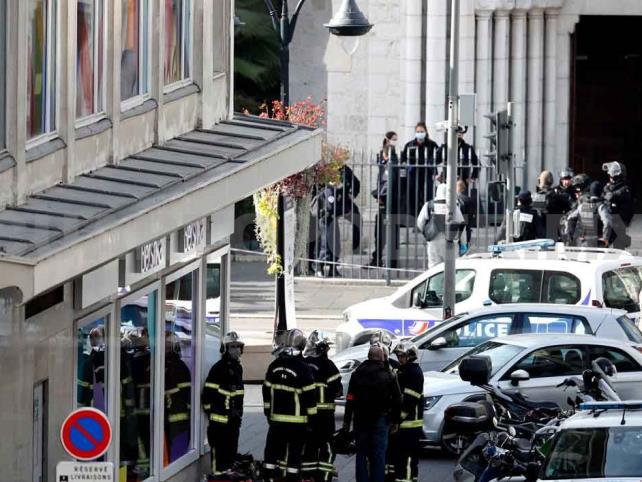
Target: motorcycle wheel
x=455, y=443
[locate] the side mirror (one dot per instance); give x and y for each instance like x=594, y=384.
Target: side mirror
x=438, y=343
x=418, y=301
x=519, y=376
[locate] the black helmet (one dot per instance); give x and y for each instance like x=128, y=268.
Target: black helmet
x=296, y=340
x=581, y=182
x=408, y=349
x=606, y=366
x=566, y=173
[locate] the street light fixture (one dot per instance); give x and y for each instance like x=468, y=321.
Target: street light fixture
x=348, y=22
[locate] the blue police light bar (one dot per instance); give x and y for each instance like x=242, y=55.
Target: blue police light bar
x=628, y=405
x=536, y=243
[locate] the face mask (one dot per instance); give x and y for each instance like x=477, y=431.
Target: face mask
x=420, y=136
x=234, y=352
x=392, y=143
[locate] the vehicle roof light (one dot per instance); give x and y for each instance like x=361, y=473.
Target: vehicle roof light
x=535, y=244
x=626, y=405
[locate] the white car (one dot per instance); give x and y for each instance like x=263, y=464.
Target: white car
x=449, y=340
x=601, y=442
x=576, y=276
x=547, y=358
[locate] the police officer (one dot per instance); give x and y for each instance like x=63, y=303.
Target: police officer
x=222, y=401
x=318, y=456
x=288, y=401
x=565, y=187
x=527, y=221
x=468, y=163
x=551, y=203
x=416, y=171
x=178, y=399
x=584, y=224
x=405, y=443
x=618, y=204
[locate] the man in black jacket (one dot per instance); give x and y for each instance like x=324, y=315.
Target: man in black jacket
x=318, y=457
x=405, y=443
x=618, y=205
x=288, y=401
x=527, y=221
x=375, y=400
x=416, y=171
x=222, y=401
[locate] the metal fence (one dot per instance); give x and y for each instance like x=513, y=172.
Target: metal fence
x=366, y=227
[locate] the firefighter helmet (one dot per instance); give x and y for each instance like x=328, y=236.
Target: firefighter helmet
x=296, y=340
x=407, y=349
x=231, y=338
x=318, y=344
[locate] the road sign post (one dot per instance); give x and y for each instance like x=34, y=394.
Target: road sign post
x=86, y=434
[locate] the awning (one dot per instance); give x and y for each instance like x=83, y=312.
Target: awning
x=69, y=229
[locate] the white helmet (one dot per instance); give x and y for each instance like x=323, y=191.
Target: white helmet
x=231, y=338
x=614, y=169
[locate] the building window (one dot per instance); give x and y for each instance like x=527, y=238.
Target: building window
x=91, y=364
x=3, y=73
x=134, y=59
x=221, y=35
x=90, y=57
x=178, y=41
x=138, y=319
x=179, y=367
x=41, y=74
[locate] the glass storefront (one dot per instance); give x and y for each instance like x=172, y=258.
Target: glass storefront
x=91, y=365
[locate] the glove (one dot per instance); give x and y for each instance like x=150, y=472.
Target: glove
x=463, y=249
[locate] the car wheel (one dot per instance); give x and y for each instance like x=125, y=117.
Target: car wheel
x=455, y=443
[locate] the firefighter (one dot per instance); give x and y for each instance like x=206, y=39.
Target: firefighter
x=288, y=401
x=618, y=206
x=405, y=442
x=384, y=340
x=527, y=221
x=318, y=456
x=140, y=362
x=222, y=401
x=178, y=399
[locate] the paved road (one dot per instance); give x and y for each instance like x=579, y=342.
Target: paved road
x=434, y=466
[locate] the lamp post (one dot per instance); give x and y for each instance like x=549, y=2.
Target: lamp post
x=349, y=21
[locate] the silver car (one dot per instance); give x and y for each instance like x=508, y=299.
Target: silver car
x=547, y=360
x=452, y=338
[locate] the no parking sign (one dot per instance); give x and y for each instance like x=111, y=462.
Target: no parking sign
x=86, y=434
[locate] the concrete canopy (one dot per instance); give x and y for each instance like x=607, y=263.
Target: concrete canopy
x=70, y=229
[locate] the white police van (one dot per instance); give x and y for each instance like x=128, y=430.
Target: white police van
x=531, y=272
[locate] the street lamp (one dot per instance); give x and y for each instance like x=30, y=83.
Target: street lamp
x=349, y=21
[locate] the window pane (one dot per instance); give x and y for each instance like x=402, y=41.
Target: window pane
x=499, y=353
x=539, y=323
x=179, y=367
x=173, y=40
x=630, y=328
x=211, y=352
x=623, y=362
x=89, y=57
x=91, y=363
x=561, y=288
x=555, y=361
x=464, y=283
x=132, y=62
x=622, y=288
x=40, y=81
x=514, y=286
x=138, y=352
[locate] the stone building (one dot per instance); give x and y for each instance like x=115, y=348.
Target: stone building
x=120, y=163
x=572, y=69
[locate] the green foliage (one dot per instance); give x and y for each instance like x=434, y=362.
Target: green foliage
x=256, y=57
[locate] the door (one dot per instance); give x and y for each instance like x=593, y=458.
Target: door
x=628, y=382
x=461, y=337
x=547, y=368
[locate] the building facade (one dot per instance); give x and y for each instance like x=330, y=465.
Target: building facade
x=120, y=163
x=571, y=68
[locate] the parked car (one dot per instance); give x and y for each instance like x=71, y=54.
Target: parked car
x=449, y=340
x=547, y=360
x=575, y=276
x=601, y=442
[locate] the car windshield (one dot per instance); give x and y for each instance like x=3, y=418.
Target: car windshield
x=622, y=288
x=499, y=353
x=629, y=327
x=596, y=453
x=419, y=339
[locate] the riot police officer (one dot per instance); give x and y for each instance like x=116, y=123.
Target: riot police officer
x=618, y=204
x=222, y=401
x=565, y=187
x=584, y=224
x=551, y=203
x=318, y=456
x=527, y=221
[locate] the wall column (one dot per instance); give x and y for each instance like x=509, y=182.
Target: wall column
x=535, y=94
x=436, y=63
x=411, y=72
x=518, y=87
x=566, y=26
x=550, y=91
x=483, y=78
x=501, y=49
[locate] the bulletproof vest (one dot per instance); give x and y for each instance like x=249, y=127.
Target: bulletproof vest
x=589, y=218
x=439, y=211
x=540, y=201
x=523, y=225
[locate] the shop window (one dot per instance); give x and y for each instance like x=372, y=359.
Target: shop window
x=91, y=364
x=90, y=57
x=138, y=318
x=41, y=67
x=178, y=42
x=179, y=368
x=134, y=59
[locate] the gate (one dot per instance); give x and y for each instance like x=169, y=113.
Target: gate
x=365, y=228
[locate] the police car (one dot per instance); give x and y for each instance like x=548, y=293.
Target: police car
x=601, y=442
x=531, y=272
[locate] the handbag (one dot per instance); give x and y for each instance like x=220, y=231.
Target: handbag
x=430, y=230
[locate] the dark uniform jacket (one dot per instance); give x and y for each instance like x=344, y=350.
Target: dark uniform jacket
x=222, y=396
x=289, y=390
x=411, y=383
x=373, y=392
x=619, y=198
x=416, y=182
x=178, y=394
x=328, y=383
x=528, y=224
x=467, y=164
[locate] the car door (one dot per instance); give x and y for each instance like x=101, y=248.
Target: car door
x=461, y=337
x=628, y=381
x=547, y=368
x=464, y=288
